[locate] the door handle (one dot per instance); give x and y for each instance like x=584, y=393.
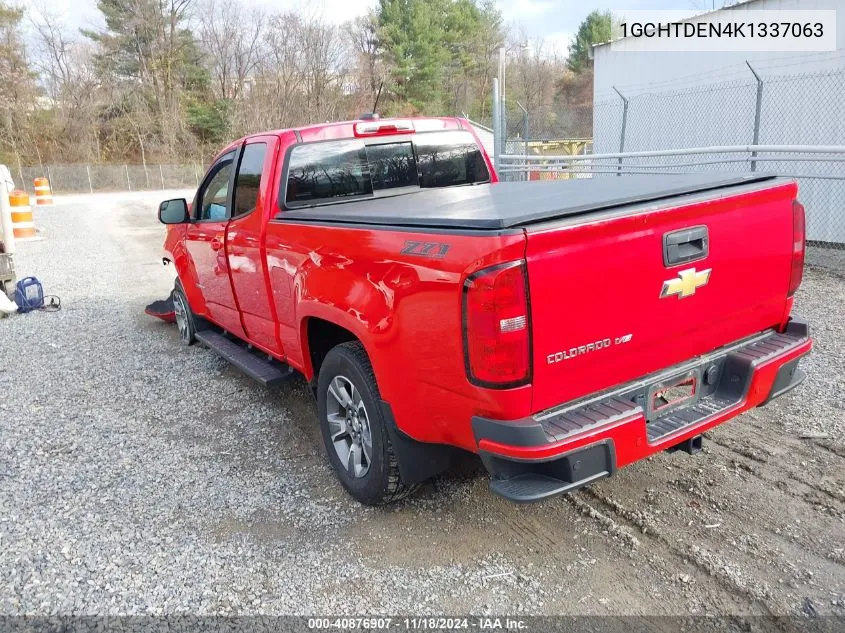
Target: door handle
x=686, y=245
x=216, y=244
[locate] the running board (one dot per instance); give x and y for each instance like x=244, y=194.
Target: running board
x=268, y=373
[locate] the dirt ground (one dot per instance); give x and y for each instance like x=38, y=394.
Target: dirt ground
x=755, y=524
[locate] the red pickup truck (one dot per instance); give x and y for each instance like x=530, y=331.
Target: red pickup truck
x=560, y=329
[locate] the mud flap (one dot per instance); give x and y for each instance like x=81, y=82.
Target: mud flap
x=418, y=461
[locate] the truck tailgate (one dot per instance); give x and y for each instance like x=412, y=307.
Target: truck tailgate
x=607, y=307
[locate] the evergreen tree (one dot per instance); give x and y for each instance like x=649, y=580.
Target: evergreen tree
x=595, y=29
x=434, y=48
x=150, y=57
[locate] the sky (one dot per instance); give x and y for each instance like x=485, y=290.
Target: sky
x=555, y=21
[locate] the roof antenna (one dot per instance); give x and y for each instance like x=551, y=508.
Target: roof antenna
x=378, y=94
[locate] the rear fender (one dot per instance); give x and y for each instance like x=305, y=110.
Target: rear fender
x=351, y=294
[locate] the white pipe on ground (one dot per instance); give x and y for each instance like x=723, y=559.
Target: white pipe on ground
x=6, y=218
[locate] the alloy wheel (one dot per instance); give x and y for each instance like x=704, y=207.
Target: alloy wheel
x=181, y=314
x=349, y=426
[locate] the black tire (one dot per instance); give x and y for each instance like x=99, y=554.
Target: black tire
x=186, y=321
x=381, y=483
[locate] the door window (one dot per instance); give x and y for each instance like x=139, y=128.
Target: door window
x=248, y=179
x=213, y=197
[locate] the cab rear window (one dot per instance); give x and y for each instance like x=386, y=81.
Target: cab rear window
x=334, y=171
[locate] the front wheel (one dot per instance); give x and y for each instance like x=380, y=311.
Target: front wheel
x=354, y=429
x=185, y=319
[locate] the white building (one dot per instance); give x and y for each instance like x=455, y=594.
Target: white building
x=695, y=99
x=634, y=71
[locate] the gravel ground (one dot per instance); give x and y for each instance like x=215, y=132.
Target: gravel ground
x=141, y=477
x=832, y=259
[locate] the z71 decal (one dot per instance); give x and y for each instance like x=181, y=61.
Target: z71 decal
x=434, y=250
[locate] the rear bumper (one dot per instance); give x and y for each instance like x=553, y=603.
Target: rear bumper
x=572, y=445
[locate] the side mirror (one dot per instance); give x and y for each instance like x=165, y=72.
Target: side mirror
x=173, y=211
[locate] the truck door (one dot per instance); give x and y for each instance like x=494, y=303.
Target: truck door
x=245, y=241
x=205, y=242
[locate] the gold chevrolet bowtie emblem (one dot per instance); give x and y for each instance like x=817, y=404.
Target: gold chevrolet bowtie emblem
x=685, y=284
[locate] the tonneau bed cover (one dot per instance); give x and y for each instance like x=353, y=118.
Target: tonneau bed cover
x=510, y=204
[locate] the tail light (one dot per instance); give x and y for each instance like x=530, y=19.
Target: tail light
x=799, y=234
x=497, y=344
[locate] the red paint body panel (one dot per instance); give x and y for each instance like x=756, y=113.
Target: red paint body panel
x=246, y=256
x=587, y=280
x=602, y=279
x=406, y=310
x=206, y=251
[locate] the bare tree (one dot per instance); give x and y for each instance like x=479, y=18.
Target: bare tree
x=323, y=68
x=362, y=38
x=230, y=36
x=532, y=72
x=63, y=64
x=271, y=95
x=165, y=80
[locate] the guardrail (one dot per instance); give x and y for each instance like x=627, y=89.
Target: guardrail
x=819, y=169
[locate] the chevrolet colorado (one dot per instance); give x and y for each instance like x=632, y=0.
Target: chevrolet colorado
x=560, y=329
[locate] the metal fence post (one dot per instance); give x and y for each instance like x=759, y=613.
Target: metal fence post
x=757, y=110
x=128, y=183
x=524, y=134
x=90, y=185
x=161, y=173
x=497, y=124
x=624, y=126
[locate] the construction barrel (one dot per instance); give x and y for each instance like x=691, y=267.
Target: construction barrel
x=23, y=225
x=43, y=193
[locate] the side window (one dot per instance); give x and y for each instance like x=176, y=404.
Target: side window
x=215, y=190
x=248, y=179
x=334, y=169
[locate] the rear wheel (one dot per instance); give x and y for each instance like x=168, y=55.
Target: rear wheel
x=185, y=319
x=354, y=429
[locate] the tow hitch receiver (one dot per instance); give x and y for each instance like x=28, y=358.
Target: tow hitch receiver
x=691, y=446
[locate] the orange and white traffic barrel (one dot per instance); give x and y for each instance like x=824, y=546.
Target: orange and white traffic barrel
x=23, y=225
x=43, y=194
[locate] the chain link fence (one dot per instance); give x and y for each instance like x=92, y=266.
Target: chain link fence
x=104, y=178
x=783, y=110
